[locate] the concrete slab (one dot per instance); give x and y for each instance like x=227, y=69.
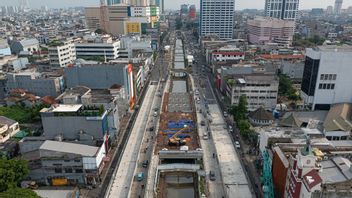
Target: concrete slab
x=179, y=86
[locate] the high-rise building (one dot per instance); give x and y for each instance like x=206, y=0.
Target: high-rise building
x=216, y=18
x=116, y=17
x=329, y=10
x=113, y=2
x=138, y=2
x=282, y=9
x=184, y=9
x=192, y=12
x=326, y=76
x=263, y=30
x=338, y=6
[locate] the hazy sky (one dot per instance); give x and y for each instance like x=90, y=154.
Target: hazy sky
x=240, y=4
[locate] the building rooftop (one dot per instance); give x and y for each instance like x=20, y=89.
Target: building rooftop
x=311, y=179
x=335, y=170
x=65, y=108
x=65, y=147
x=6, y=121
x=333, y=48
x=339, y=118
x=29, y=42
x=261, y=114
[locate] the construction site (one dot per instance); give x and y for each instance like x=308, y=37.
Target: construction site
x=178, y=146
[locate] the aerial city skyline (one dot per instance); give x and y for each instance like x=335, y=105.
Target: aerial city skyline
x=170, y=4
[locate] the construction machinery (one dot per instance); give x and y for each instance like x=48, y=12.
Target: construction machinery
x=177, y=141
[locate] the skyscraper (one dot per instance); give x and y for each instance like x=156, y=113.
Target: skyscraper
x=113, y=2
x=282, y=9
x=216, y=17
x=338, y=6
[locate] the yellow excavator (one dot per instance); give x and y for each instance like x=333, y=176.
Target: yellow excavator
x=175, y=141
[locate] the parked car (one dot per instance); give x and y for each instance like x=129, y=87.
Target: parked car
x=237, y=145
x=212, y=176
x=145, y=163
x=225, y=114
x=202, y=123
x=140, y=176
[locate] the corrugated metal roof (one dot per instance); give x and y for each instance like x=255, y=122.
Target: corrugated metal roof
x=339, y=118
x=29, y=42
x=65, y=147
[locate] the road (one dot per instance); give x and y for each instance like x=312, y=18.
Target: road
x=122, y=180
x=215, y=188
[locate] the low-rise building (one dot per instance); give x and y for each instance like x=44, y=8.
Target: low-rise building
x=259, y=86
x=102, y=76
x=4, y=48
x=78, y=122
x=326, y=75
x=227, y=54
x=103, y=48
x=130, y=44
x=260, y=117
x=8, y=128
x=62, y=53
x=40, y=84
x=63, y=163
x=338, y=122
x=262, y=30
x=29, y=45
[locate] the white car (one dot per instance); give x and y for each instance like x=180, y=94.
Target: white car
x=237, y=145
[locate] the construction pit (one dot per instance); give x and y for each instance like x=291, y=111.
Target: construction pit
x=179, y=170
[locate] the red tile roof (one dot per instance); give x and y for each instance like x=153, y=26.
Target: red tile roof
x=312, y=179
x=230, y=53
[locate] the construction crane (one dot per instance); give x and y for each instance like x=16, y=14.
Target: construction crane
x=174, y=140
x=104, y=16
x=267, y=177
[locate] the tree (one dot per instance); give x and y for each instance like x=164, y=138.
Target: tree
x=11, y=173
x=239, y=111
x=18, y=193
x=100, y=31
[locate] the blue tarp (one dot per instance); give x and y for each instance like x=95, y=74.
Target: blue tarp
x=180, y=124
x=182, y=136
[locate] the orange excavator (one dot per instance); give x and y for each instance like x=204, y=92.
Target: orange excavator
x=175, y=141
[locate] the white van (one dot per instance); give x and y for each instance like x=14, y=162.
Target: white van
x=205, y=136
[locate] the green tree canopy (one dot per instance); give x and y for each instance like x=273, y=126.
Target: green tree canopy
x=239, y=111
x=11, y=173
x=18, y=193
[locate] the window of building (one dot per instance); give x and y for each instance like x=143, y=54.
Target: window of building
x=68, y=170
x=328, y=86
x=58, y=170
x=332, y=86
x=330, y=76
x=334, y=77
x=326, y=76
x=324, y=86
x=77, y=160
x=79, y=170
x=320, y=86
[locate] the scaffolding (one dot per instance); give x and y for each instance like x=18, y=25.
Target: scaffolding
x=267, y=177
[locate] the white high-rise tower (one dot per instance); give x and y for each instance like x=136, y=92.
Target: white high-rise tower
x=282, y=9
x=216, y=18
